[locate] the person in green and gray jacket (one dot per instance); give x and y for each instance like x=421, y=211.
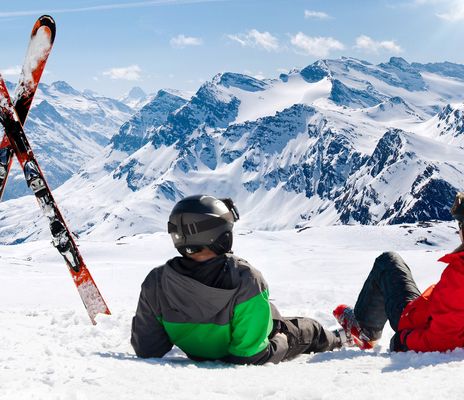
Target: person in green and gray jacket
x=214, y=305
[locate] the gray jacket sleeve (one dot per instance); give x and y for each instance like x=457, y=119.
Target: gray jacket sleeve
x=148, y=337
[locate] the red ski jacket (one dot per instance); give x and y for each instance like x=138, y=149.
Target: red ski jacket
x=436, y=318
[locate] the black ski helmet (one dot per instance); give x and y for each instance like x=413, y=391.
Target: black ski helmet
x=202, y=221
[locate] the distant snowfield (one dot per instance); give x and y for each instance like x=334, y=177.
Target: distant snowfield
x=280, y=95
x=49, y=349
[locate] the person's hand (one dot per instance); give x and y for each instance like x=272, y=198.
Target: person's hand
x=398, y=341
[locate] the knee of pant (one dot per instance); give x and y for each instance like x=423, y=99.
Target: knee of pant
x=302, y=330
x=387, y=259
x=388, y=255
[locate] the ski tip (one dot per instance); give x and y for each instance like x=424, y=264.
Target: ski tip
x=45, y=21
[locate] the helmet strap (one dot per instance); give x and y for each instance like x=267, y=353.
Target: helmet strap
x=223, y=244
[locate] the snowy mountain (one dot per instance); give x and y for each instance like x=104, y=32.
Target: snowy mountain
x=340, y=141
x=136, y=98
x=67, y=128
x=447, y=126
x=138, y=131
x=408, y=178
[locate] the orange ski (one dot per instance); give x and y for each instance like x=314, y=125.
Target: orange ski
x=62, y=237
x=40, y=45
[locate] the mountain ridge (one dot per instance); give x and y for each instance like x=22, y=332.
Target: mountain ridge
x=337, y=142
x=66, y=128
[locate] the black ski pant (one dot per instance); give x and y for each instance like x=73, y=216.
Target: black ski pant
x=304, y=335
x=386, y=292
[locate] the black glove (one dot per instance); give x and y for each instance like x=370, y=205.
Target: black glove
x=398, y=341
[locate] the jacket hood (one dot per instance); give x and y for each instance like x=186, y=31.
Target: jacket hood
x=193, y=299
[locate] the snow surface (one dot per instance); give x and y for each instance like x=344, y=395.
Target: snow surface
x=279, y=96
x=50, y=350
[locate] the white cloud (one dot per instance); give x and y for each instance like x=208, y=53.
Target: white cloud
x=366, y=43
x=316, y=14
x=254, y=38
x=419, y=3
x=11, y=71
x=454, y=8
x=455, y=12
x=316, y=46
x=425, y=2
x=130, y=73
x=181, y=41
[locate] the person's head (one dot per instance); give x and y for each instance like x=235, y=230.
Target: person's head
x=457, y=211
x=201, y=226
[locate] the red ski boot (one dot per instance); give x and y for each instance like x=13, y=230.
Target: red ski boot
x=346, y=318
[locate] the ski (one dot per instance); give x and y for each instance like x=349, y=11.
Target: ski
x=40, y=45
x=62, y=237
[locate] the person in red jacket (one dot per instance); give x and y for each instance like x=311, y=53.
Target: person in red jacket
x=431, y=321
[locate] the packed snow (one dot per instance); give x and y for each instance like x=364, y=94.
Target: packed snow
x=50, y=350
x=266, y=144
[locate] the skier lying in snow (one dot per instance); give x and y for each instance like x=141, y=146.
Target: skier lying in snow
x=214, y=305
x=431, y=321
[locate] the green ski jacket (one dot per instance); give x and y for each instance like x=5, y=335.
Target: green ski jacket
x=207, y=323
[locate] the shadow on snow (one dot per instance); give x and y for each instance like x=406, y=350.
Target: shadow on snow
x=178, y=360
x=398, y=361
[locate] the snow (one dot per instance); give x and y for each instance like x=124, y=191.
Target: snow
x=38, y=50
x=49, y=348
x=66, y=128
x=278, y=97
x=439, y=88
x=446, y=87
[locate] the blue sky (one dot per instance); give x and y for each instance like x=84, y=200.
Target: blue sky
x=110, y=46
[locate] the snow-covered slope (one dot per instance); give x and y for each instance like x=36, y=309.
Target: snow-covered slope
x=66, y=129
x=49, y=349
x=407, y=178
x=139, y=130
x=447, y=126
x=340, y=141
